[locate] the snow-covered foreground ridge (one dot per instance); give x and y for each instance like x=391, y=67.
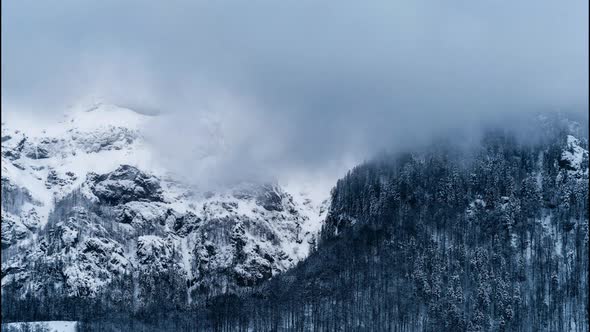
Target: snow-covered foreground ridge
x=49, y=326
x=85, y=204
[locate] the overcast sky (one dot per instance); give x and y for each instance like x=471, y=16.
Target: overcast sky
x=298, y=83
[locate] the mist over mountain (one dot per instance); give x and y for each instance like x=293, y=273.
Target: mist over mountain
x=446, y=236
x=295, y=166
x=305, y=85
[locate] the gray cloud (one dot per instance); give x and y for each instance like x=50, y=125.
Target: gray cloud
x=295, y=84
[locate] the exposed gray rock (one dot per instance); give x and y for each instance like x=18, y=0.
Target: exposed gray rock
x=37, y=152
x=185, y=224
x=126, y=184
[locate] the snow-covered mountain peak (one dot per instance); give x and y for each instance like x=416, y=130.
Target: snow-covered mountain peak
x=103, y=115
x=89, y=189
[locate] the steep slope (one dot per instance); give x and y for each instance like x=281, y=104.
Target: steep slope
x=88, y=210
x=493, y=238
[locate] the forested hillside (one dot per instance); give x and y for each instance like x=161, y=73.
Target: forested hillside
x=493, y=238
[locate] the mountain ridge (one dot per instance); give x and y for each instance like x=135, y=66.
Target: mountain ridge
x=87, y=191
x=489, y=238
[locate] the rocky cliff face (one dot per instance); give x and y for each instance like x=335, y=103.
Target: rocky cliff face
x=85, y=208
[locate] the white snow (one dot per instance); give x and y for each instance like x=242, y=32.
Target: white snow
x=51, y=326
x=79, y=126
x=575, y=154
x=102, y=115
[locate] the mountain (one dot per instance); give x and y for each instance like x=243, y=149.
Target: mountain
x=488, y=237
x=87, y=211
x=493, y=237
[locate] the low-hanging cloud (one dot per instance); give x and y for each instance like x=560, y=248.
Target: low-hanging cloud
x=251, y=89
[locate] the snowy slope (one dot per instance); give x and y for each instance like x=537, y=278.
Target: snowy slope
x=88, y=190
x=49, y=326
x=575, y=157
